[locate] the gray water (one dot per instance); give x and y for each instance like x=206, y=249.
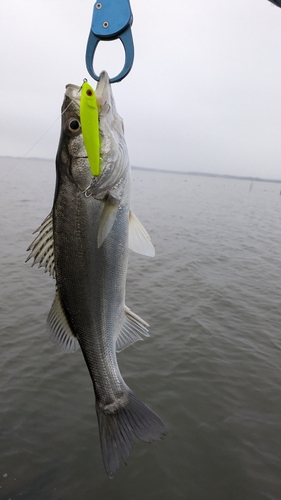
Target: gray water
x=211, y=368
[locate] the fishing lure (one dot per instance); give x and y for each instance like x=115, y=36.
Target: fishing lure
x=89, y=117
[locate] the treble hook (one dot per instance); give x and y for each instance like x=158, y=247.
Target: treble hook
x=112, y=19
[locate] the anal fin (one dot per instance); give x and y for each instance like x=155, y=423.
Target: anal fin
x=133, y=329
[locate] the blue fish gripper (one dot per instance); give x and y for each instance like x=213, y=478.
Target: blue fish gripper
x=112, y=19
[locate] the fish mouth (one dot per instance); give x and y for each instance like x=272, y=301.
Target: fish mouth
x=103, y=90
x=73, y=92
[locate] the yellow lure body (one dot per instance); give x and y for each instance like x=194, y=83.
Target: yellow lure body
x=89, y=117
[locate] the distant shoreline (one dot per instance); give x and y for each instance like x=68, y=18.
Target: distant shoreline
x=206, y=174
x=163, y=171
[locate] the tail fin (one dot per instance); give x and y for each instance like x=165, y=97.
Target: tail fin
x=118, y=428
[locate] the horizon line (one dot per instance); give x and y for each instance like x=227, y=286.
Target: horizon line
x=165, y=171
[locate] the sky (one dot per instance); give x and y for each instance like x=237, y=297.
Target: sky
x=204, y=93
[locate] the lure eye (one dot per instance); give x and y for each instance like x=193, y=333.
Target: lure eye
x=89, y=92
x=73, y=125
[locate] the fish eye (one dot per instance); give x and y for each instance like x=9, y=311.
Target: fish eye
x=73, y=125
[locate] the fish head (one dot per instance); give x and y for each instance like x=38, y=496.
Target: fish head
x=72, y=159
x=114, y=154
x=109, y=117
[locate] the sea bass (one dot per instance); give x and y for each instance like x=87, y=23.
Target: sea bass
x=84, y=243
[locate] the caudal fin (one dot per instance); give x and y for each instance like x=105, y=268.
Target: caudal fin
x=118, y=428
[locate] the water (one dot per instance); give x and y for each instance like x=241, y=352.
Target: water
x=211, y=368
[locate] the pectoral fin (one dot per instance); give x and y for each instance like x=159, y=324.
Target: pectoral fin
x=139, y=239
x=59, y=329
x=107, y=219
x=133, y=328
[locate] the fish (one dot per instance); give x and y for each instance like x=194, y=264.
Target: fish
x=84, y=244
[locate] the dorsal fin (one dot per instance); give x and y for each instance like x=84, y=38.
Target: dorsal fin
x=59, y=329
x=42, y=247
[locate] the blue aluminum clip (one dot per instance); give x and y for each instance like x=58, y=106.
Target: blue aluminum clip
x=112, y=19
x=276, y=2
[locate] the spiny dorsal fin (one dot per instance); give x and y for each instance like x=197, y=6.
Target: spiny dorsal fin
x=42, y=247
x=133, y=328
x=139, y=239
x=107, y=219
x=59, y=329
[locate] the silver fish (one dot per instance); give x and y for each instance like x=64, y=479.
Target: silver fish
x=84, y=243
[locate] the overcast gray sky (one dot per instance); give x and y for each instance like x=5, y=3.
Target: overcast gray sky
x=204, y=93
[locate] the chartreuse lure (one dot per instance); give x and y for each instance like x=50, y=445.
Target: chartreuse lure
x=89, y=117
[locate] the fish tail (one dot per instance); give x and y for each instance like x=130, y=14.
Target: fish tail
x=117, y=429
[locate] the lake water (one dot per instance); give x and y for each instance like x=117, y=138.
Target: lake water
x=211, y=368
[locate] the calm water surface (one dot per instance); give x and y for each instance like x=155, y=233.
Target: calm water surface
x=211, y=368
